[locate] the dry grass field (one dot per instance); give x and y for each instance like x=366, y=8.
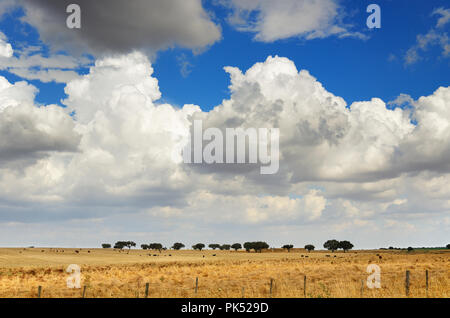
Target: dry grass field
x=110, y=273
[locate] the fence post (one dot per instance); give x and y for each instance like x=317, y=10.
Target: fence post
x=243, y=292
x=84, y=291
x=271, y=286
x=426, y=278
x=196, y=285
x=304, y=286
x=407, y=284
x=39, y=291
x=146, y=289
x=362, y=288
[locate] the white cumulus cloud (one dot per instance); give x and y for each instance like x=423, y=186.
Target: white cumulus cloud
x=119, y=153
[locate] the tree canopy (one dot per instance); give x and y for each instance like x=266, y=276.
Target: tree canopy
x=156, y=246
x=236, y=246
x=198, y=246
x=257, y=246
x=177, y=246
x=122, y=244
x=345, y=245
x=331, y=245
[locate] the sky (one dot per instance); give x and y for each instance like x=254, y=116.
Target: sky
x=92, y=120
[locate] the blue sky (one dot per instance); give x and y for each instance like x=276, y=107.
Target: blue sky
x=352, y=68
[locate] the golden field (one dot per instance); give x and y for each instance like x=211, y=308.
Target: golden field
x=110, y=273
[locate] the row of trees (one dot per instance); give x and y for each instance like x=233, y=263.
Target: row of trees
x=410, y=249
x=153, y=246
x=257, y=246
x=225, y=247
x=308, y=247
x=331, y=245
x=122, y=244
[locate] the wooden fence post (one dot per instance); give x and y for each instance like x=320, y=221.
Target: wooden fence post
x=407, y=284
x=243, y=292
x=84, y=291
x=426, y=283
x=362, y=288
x=39, y=291
x=146, y=289
x=271, y=286
x=196, y=285
x=304, y=286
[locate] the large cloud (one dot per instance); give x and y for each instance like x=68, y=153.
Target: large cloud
x=361, y=165
x=121, y=26
x=122, y=127
x=276, y=20
x=321, y=138
x=28, y=132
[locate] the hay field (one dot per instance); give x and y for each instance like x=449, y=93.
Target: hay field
x=110, y=273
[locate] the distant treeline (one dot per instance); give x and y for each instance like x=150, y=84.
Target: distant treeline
x=257, y=246
x=416, y=248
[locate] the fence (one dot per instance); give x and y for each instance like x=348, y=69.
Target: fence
x=411, y=284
